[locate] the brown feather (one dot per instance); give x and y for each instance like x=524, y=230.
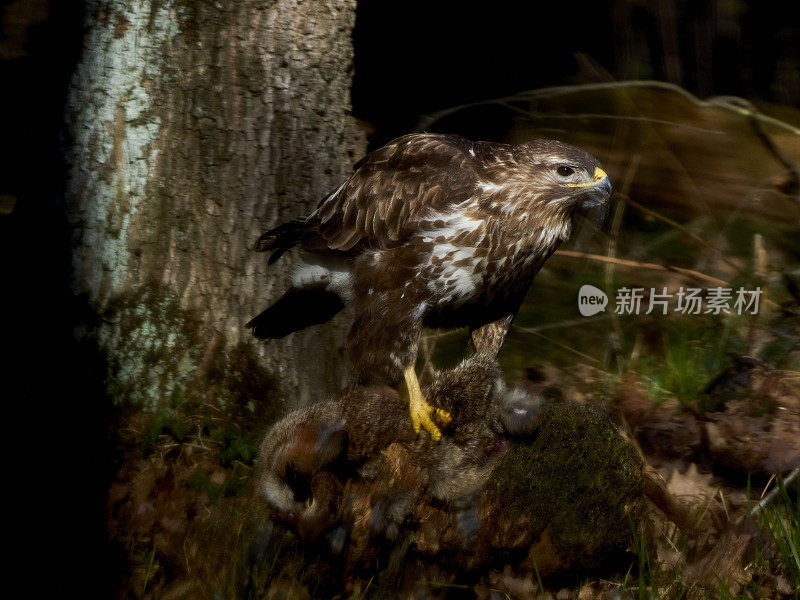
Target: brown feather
x=391, y=189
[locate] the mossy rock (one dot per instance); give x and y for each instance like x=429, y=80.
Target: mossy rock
x=575, y=488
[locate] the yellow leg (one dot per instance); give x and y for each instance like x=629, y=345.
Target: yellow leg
x=421, y=411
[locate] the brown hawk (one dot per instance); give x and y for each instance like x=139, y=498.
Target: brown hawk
x=432, y=230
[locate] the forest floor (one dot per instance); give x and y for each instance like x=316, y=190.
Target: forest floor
x=183, y=506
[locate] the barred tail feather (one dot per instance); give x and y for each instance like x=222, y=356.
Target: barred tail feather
x=296, y=310
x=281, y=238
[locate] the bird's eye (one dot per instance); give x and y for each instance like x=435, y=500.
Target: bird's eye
x=565, y=171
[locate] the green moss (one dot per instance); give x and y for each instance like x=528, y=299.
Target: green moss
x=152, y=344
x=153, y=347
x=200, y=481
x=578, y=478
x=234, y=445
x=234, y=379
x=235, y=483
x=165, y=421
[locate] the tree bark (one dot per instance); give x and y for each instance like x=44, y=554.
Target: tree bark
x=196, y=126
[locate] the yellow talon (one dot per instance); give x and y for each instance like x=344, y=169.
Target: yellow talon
x=421, y=411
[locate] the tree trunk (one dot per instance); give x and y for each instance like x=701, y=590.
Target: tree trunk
x=196, y=126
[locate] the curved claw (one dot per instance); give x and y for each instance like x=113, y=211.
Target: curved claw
x=442, y=415
x=421, y=417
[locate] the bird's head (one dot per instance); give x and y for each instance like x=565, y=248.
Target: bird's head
x=544, y=182
x=566, y=176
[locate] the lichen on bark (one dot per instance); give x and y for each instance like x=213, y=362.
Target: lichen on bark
x=195, y=126
x=152, y=345
x=114, y=128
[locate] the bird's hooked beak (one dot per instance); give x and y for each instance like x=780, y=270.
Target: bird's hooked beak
x=599, y=189
x=601, y=183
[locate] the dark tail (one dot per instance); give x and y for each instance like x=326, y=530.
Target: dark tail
x=281, y=238
x=296, y=310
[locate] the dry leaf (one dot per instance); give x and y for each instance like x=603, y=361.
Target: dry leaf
x=691, y=486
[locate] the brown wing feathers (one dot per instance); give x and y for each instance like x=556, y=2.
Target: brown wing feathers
x=389, y=192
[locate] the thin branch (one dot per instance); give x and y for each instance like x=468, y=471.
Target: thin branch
x=615, y=335
x=774, y=492
x=598, y=116
x=732, y=104
x=765, y=138
x=655, y=489
x=643, y=265
x=582, y=322
x=679, y=227
x=532, y=331
x=653, y=267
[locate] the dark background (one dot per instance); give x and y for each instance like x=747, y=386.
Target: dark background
x=411, y=58
x=417, y=57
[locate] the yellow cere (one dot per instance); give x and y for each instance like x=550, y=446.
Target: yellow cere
x=599, y=175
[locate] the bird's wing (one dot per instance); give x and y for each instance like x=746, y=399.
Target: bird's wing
x=391, y=191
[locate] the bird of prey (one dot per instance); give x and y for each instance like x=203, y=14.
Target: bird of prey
x=430, y=230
